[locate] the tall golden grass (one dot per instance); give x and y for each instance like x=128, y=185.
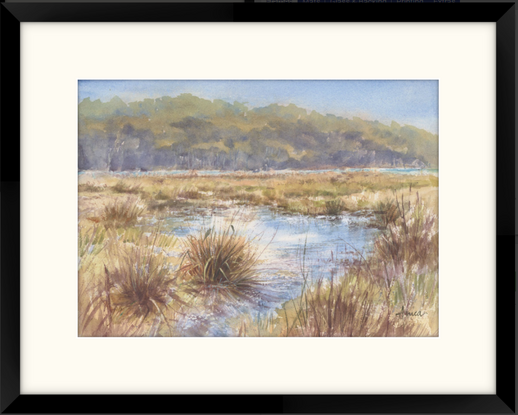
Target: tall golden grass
x=126, y=287
x=392, y=292
x=129, y=285
x=308, y=194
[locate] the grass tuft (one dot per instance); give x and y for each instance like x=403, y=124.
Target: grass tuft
x=221, y=259
x=189, y=193
x=386, y=213
x=410, y=245
x=132, y=291
x=91, y=187
x=122, y=187
x=142, y=285
x=122, y=214
x=334, y=207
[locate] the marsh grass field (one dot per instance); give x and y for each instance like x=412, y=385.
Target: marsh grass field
x=349, y=254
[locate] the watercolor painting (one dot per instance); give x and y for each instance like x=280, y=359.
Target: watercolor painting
x=303, y=208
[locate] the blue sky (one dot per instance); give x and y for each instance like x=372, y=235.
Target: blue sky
x=406, y=102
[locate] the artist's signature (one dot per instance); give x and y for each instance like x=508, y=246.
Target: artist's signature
x=404, y=313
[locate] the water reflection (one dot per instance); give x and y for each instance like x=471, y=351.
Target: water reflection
x=291, y=247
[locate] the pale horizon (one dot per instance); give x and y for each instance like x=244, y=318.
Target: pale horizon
x=410, y=102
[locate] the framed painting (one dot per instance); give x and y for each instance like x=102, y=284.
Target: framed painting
x=214, y=200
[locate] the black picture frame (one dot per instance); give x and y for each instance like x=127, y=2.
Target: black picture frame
x=12, y=14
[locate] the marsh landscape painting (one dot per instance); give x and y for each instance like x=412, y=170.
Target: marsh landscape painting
x=258, y=208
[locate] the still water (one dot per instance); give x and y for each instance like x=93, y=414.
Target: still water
x=291, y=247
